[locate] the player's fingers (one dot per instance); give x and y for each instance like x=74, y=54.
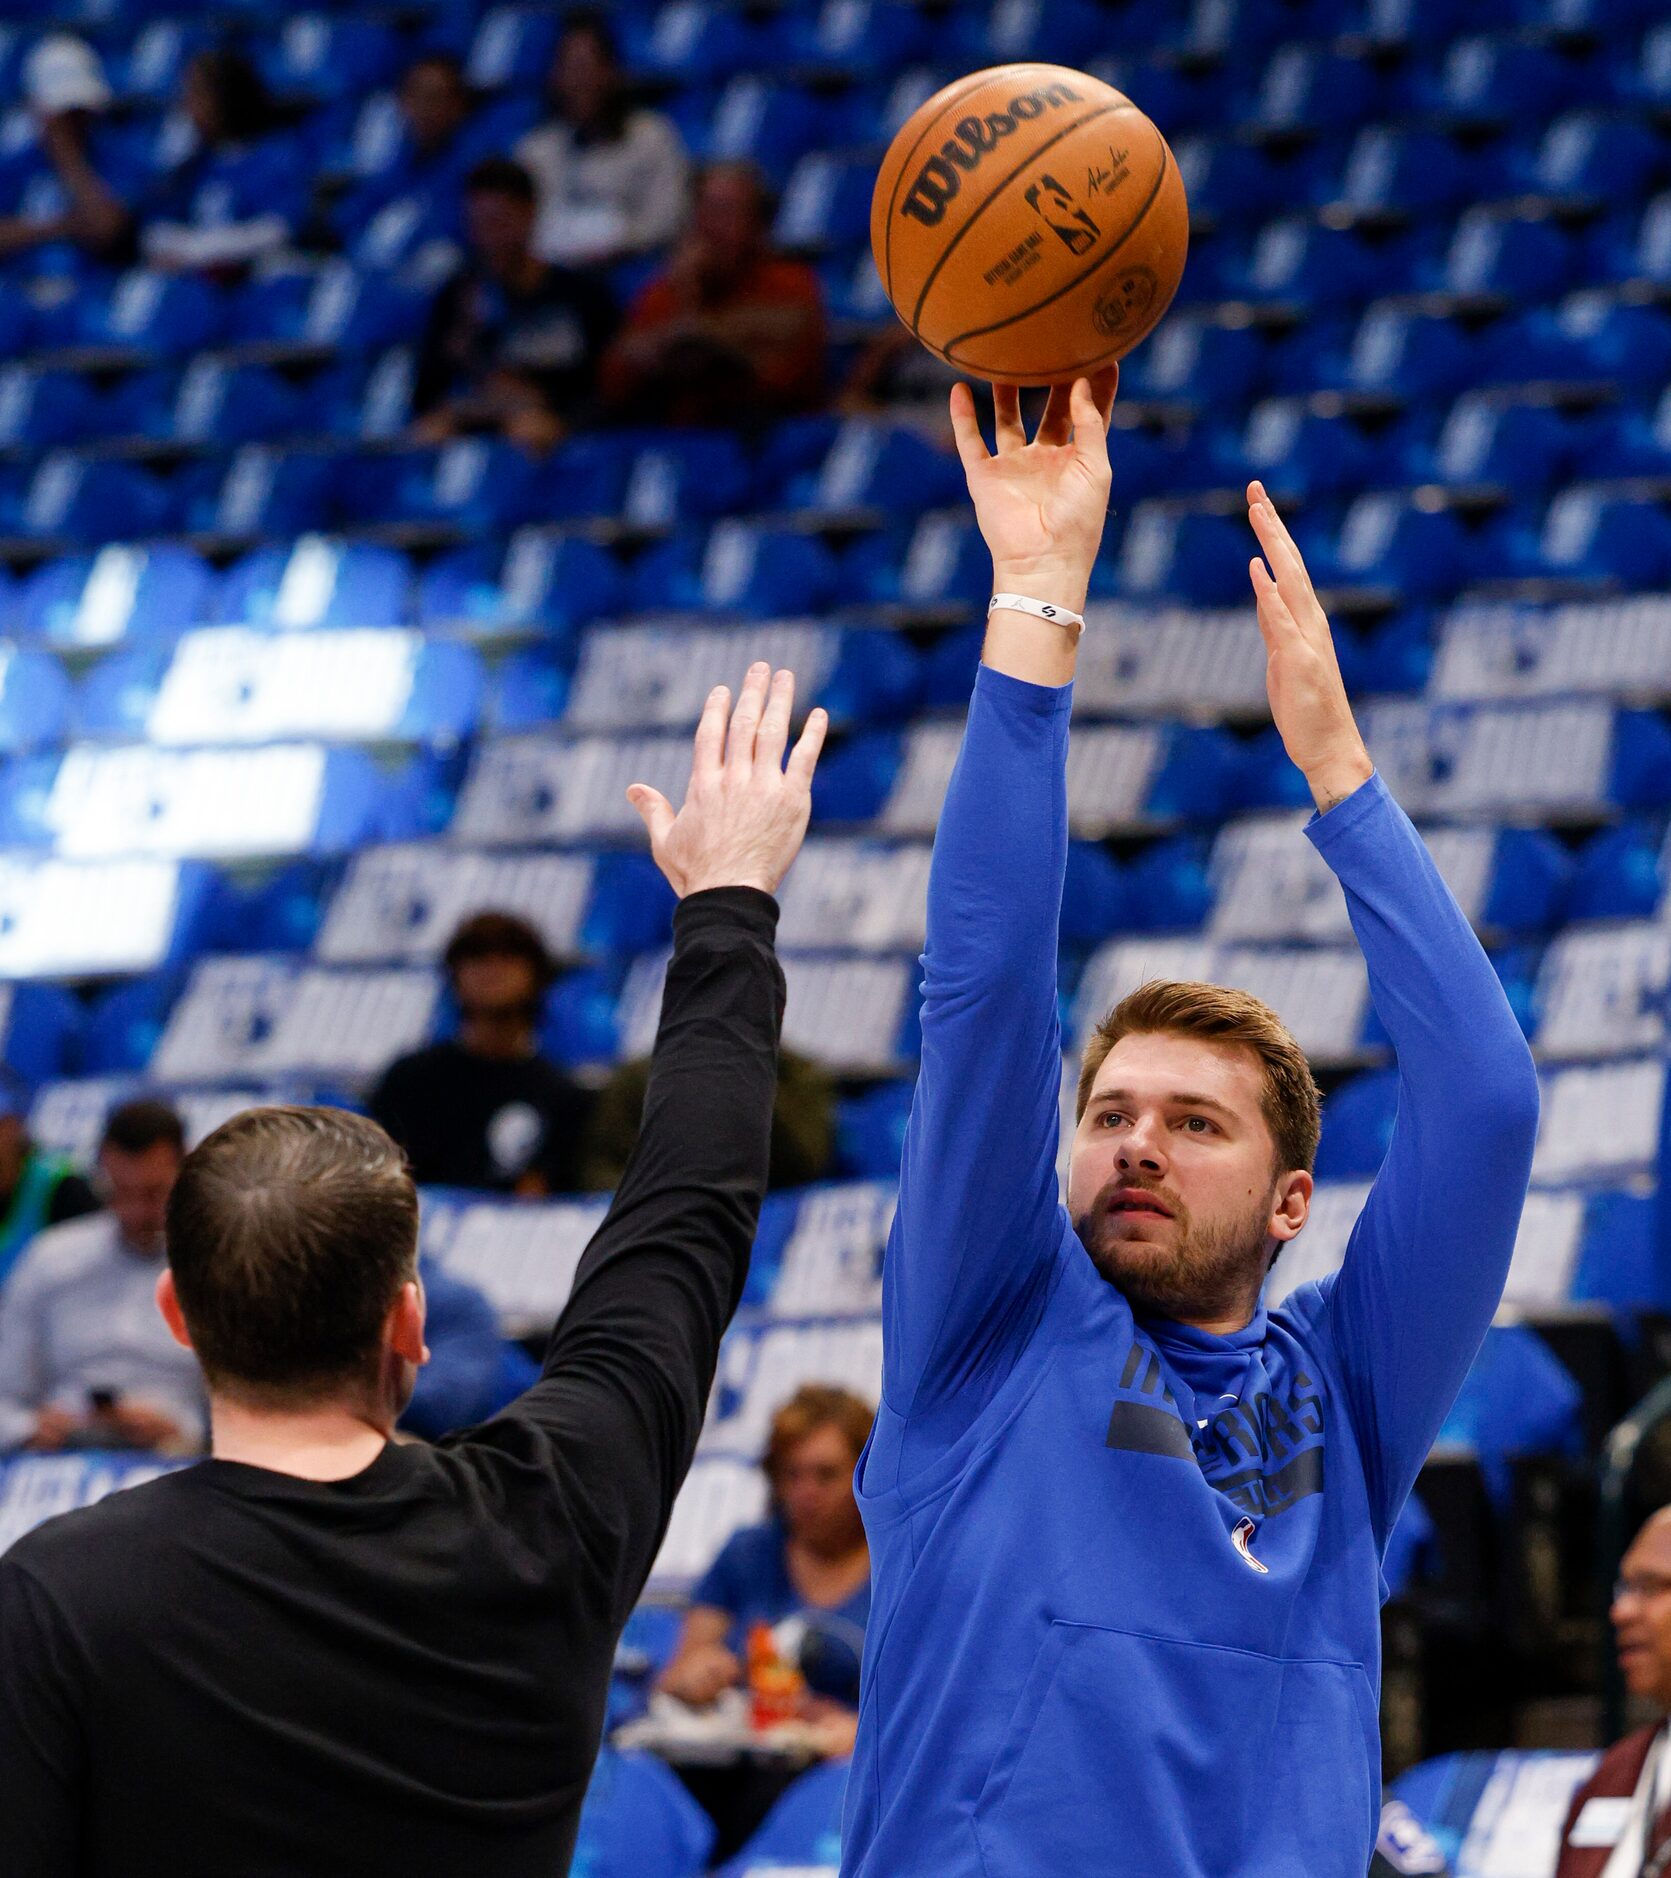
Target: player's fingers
x=1090, y=433
x=773, y=733
x=1280, y=547
x=1056, y=425
x=803, y=759
x=1276, y=623
x=966, y=430
x=709, y=754
x=745, y=720
x=656, y=810
x=1008, y=430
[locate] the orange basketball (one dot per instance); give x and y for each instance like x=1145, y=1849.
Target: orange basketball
x=1029, y=224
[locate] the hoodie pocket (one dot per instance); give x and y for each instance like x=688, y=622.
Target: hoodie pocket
x=1131, y=1755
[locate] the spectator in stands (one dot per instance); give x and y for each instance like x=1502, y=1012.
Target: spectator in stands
x=1620, y=1819
x=730, y=331
x=805, y=1572
x=514, y=342
x=612, y=178
x=241, y=186
x=37, y=1189
x=486, y=1110
x=61, y=177
x=418, y=195
x=803, y=1124
x=85, y=1357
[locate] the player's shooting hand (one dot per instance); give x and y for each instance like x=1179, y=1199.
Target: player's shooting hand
x=746, y=811
x=1041, y=505
x=1302, y=674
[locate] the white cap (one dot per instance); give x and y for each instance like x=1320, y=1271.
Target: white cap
x=62, y=73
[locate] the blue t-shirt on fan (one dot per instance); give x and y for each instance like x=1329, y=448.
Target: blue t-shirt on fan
x=750, y=1581
x=1127, y=1574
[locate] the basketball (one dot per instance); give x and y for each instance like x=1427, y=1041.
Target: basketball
x=1029, y=224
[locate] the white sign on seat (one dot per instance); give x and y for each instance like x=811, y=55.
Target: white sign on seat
x=1520, y=763
x=1604, y=991
x=404, y=902
x=832, y=1260
x=1599, y=1122
x=231, y=684
x=75, y=919
x=637, y=678
x=1135, y=662
x=212, y=804
x=268, y=1018
x=521, y=1257
x=528, y=789
x=1616, y=648
x=856, y=894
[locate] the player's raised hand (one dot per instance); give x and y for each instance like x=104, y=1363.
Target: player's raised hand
x=1041, y=505
x=1302, y=674
x=745, y=812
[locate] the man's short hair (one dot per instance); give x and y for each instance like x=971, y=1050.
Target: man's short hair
x=594, y=23
x=1182, y=1008
x=144, y=1123
x=290, y=1234
x=765, y=196
x=501, y=176
x=813, y=1406
x=492, y=935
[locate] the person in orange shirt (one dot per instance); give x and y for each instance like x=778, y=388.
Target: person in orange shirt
x=729, y=330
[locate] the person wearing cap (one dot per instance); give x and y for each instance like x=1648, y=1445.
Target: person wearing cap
x=59, y=180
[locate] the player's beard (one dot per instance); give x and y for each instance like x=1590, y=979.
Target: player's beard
x=1194, y=1270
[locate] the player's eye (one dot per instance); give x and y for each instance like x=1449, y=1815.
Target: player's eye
x=1199, y=1124
x=1109, y=1117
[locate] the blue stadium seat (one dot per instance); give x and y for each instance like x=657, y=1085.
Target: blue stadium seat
x=1389, y=540
x=803, y=1830
x=1406, y=354
x=1414, y=171
x=1499, y=80
x=1605, y=155
x=1303, y=452
x=1198, y=360
x=114, y=700
x=323, y=57
x=1588, y=534
x=1314, y=265
x=770, y=123
x=826, y=202
x=693, y=43
x=1618, y=1257
x=475, y=483
x=1223, y=178
x=547, y=582
x=265, y=492
x=156, y=59
x=1620, y=874
x=526, y=691
x=1526, y=348
x=1316, y=88
x=318, y=581
x=877, y=466
x=122, y=594
x=85, y=499
x=1519, y=1398
x=737, y=568
x=168, y=314
x=123, y=1025
x=35, y=699
x=1185, y=554
x=677, y=476
x=1488, y=440
x=1357, y=1126
x=44, y=409
x=1058, y=32
x=512, y=47
x=1617, y=341
x=865, y=39
x=1519, y=256
x=217, y=404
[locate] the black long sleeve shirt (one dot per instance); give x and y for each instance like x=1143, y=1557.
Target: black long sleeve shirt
x=230, y=1670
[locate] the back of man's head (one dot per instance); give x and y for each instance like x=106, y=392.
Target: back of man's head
x=290, y=1234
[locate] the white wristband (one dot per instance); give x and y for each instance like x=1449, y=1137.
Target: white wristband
x=1019, y=603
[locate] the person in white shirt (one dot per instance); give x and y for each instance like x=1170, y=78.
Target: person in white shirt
x=612, y=179
x=86, y=1359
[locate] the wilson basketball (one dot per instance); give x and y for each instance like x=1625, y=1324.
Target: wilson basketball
x=1029, y=224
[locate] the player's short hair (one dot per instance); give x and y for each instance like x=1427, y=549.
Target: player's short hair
x=1291, y=1103
x=290, y=1234
x=813, y=1406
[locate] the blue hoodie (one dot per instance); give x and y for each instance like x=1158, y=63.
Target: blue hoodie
x=1127, y=1575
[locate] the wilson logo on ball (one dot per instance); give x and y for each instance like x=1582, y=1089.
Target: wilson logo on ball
x=941, y=177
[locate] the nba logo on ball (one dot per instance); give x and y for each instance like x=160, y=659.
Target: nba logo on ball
x=1029, y=224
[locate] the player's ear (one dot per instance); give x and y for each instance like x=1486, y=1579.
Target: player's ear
x=1292, y=1205
x=168, y=1302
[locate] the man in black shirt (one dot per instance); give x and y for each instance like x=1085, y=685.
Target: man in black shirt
x=487, y=1110
x=320, y=1651
x=514, y=342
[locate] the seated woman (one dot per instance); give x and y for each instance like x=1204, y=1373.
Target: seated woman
x=805, y=1572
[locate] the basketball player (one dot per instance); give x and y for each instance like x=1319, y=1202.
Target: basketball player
x=322, y=1653
x=1126, y=1524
